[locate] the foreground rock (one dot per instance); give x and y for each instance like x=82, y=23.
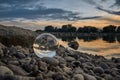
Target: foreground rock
x=18, y=63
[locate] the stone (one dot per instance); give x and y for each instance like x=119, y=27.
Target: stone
x=78, y=71
x=20, y=55
x=76, y=63
x=103, y=65
x=50, y=61
x=69, y=59
x=73, y=44
x=98, y=70
x=1, y=50
x=42, y=66
x=78, y=77
x=5, y=70
x=89, y=77
x=17, y=70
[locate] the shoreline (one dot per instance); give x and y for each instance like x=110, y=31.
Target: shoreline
x=18, y=63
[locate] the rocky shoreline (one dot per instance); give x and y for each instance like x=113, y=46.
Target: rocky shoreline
x=18, y=63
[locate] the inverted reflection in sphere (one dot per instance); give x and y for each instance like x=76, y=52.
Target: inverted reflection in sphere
x=45, y=45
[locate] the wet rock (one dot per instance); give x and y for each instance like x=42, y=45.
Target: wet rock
x=89, y=77
x=50, y=61
x=69, y=59
x=73, y=44
x=78, y=77
x=98, y=70
x=17, y=70
x=5, y=70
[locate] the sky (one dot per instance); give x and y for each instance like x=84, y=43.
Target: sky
x=36, y=14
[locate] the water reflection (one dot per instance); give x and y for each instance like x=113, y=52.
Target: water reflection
x=107, y=45
x=110, y=38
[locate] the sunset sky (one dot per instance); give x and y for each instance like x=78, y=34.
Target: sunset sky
x=36, y=14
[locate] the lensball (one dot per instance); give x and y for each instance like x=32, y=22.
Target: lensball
x=45, y=45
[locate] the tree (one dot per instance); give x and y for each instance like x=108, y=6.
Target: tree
x=109, y=29
x=49, y=28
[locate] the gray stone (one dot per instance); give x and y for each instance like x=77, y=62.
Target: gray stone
x=78, y=77
x=103, y=65
x=17, y=70
x=69, y=59
x=20, y=55
x=50, y=61
x=5, y=70
x=89, y=77
x=98, y=70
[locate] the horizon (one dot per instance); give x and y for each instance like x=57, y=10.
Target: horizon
x=36, y=14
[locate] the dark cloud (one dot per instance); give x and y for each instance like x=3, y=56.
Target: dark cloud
x=85, y=18
x=41, y=12
x=117, y=3
x=109, y=11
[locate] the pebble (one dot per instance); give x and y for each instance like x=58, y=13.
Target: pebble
x=89, y=77
x=69, y=59
x=50, y=61
x=98, y=70
x=17, y=70
x=5, y=71
x=78, y=77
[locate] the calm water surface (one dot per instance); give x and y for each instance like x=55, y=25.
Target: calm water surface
x=108, y=46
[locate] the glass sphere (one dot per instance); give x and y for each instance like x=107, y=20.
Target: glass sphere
x=45, y=45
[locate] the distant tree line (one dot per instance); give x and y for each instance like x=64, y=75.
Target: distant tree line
x=85, y=29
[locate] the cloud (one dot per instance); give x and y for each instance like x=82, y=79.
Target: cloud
x=117, y=3
x=109, y=11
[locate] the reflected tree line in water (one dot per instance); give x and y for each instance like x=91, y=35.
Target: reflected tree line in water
x=68, y=32
x=110, y=38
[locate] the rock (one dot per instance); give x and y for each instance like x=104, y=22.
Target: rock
x=103, y=65
x=98, y=70
x=116, y=60
x=20, y=55
x=50, y=74
x=78, y=71
x=17, y=70
x=25, y=51
x=59, y=76
x=33, y=61
x=5, y=70
x=89, y=77
x=50, y=61
x=67, y=70
x=1, y=50
x=76, y=63
x=23, y=78
x=69, y=59
x=27, y=67
x=78, y=77
x=107, y=77
x=73, y=44
x=118, y=66
x=25, y=61
x=42, y=66
x=14, y=62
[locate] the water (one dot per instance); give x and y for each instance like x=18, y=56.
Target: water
x=106, y=45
